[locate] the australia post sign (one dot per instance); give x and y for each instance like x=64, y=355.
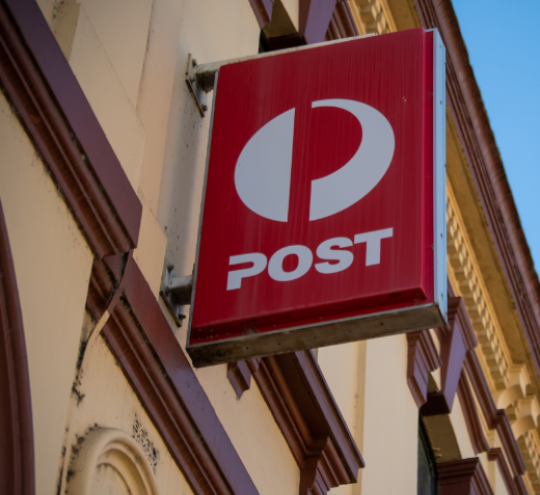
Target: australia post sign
x=324, y=209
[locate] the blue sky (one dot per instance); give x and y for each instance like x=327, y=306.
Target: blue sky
x=503, y=40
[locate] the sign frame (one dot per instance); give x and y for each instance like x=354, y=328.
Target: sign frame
x=362, y=327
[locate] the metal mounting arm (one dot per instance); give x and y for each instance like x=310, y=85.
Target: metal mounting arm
x=200, y=78
x=176, y=292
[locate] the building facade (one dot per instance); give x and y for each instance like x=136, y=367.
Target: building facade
x=102, y=159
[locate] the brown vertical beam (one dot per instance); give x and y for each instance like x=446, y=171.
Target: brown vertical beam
x=16, y=433
x=314, y=19
x=463, y=477
x=456, y=342
x=487, y=169
x=422, y=358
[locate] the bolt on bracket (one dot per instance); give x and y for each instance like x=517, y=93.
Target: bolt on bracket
x=194, y=87
x=176, y=293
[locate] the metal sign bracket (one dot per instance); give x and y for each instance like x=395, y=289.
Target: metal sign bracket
x=194, y=87
x=176, y=292
x=200, y=78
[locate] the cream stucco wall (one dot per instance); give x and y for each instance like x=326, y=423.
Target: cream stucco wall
x=252, y=430
x=344, y=368
x=460, y=429
x=108, y=401
x=210, y=31
x=368, y=381
x=98, y=75
x=52, y=266
x=391, y=420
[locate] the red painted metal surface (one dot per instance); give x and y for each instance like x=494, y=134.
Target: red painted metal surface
x=268, y=109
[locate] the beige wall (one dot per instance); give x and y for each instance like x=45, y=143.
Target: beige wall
x=52, y=266
x=211, y=31
x=368, y=381
x=109, y=403
x=344, y=368
x=391, y=420
x=252, y=430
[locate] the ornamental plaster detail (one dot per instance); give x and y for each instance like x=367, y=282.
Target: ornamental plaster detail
x=462, y=267
x=528, y=445
x=509, y=380
x=111, y=459
x=373, y=15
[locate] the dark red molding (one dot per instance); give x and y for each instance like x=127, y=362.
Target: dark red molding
x=320, y=20
x=463, y=477
x=422, y=359
x=470, y=377
x=472, y=419
x=495, y=418
x=515, y=486
x=262, y=10
x=456, y=341
x=157, y=368
x=314, y=19
x=51, y=106
x=239, y=374
x=513, y=482
x=298, y=396
x=16, y=432
x=342, y=24
x=487, y=169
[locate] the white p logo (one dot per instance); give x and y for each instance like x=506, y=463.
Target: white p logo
x=263, y=171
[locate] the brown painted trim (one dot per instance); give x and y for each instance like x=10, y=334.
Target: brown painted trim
x=515, y=486
x=157, y=368
x=471, y=378
x=342, y=24
x=463, y=477
x=239, y=374
x=304, y=409
x=472, y=419
x=456, y=341
x=262, y=10
x=422, y=358
x=314, y=19
x=51, y=106
x=16, y=432
x=495, y=418
x=487, y=169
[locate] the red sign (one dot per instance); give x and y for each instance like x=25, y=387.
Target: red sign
x=321, y=199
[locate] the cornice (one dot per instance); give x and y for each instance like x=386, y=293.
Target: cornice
x=375, y=16
x=515, y=486
x=469, y=283
x=52, y=108
x=422, y=359
x=487, y=170
x=496, y=419
x=342, y=24
x=16, y=431
x=159, y=372
x=463, y=477
x=456, y=342
x=305, y=410
x=507, y=381
x=528, y=445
